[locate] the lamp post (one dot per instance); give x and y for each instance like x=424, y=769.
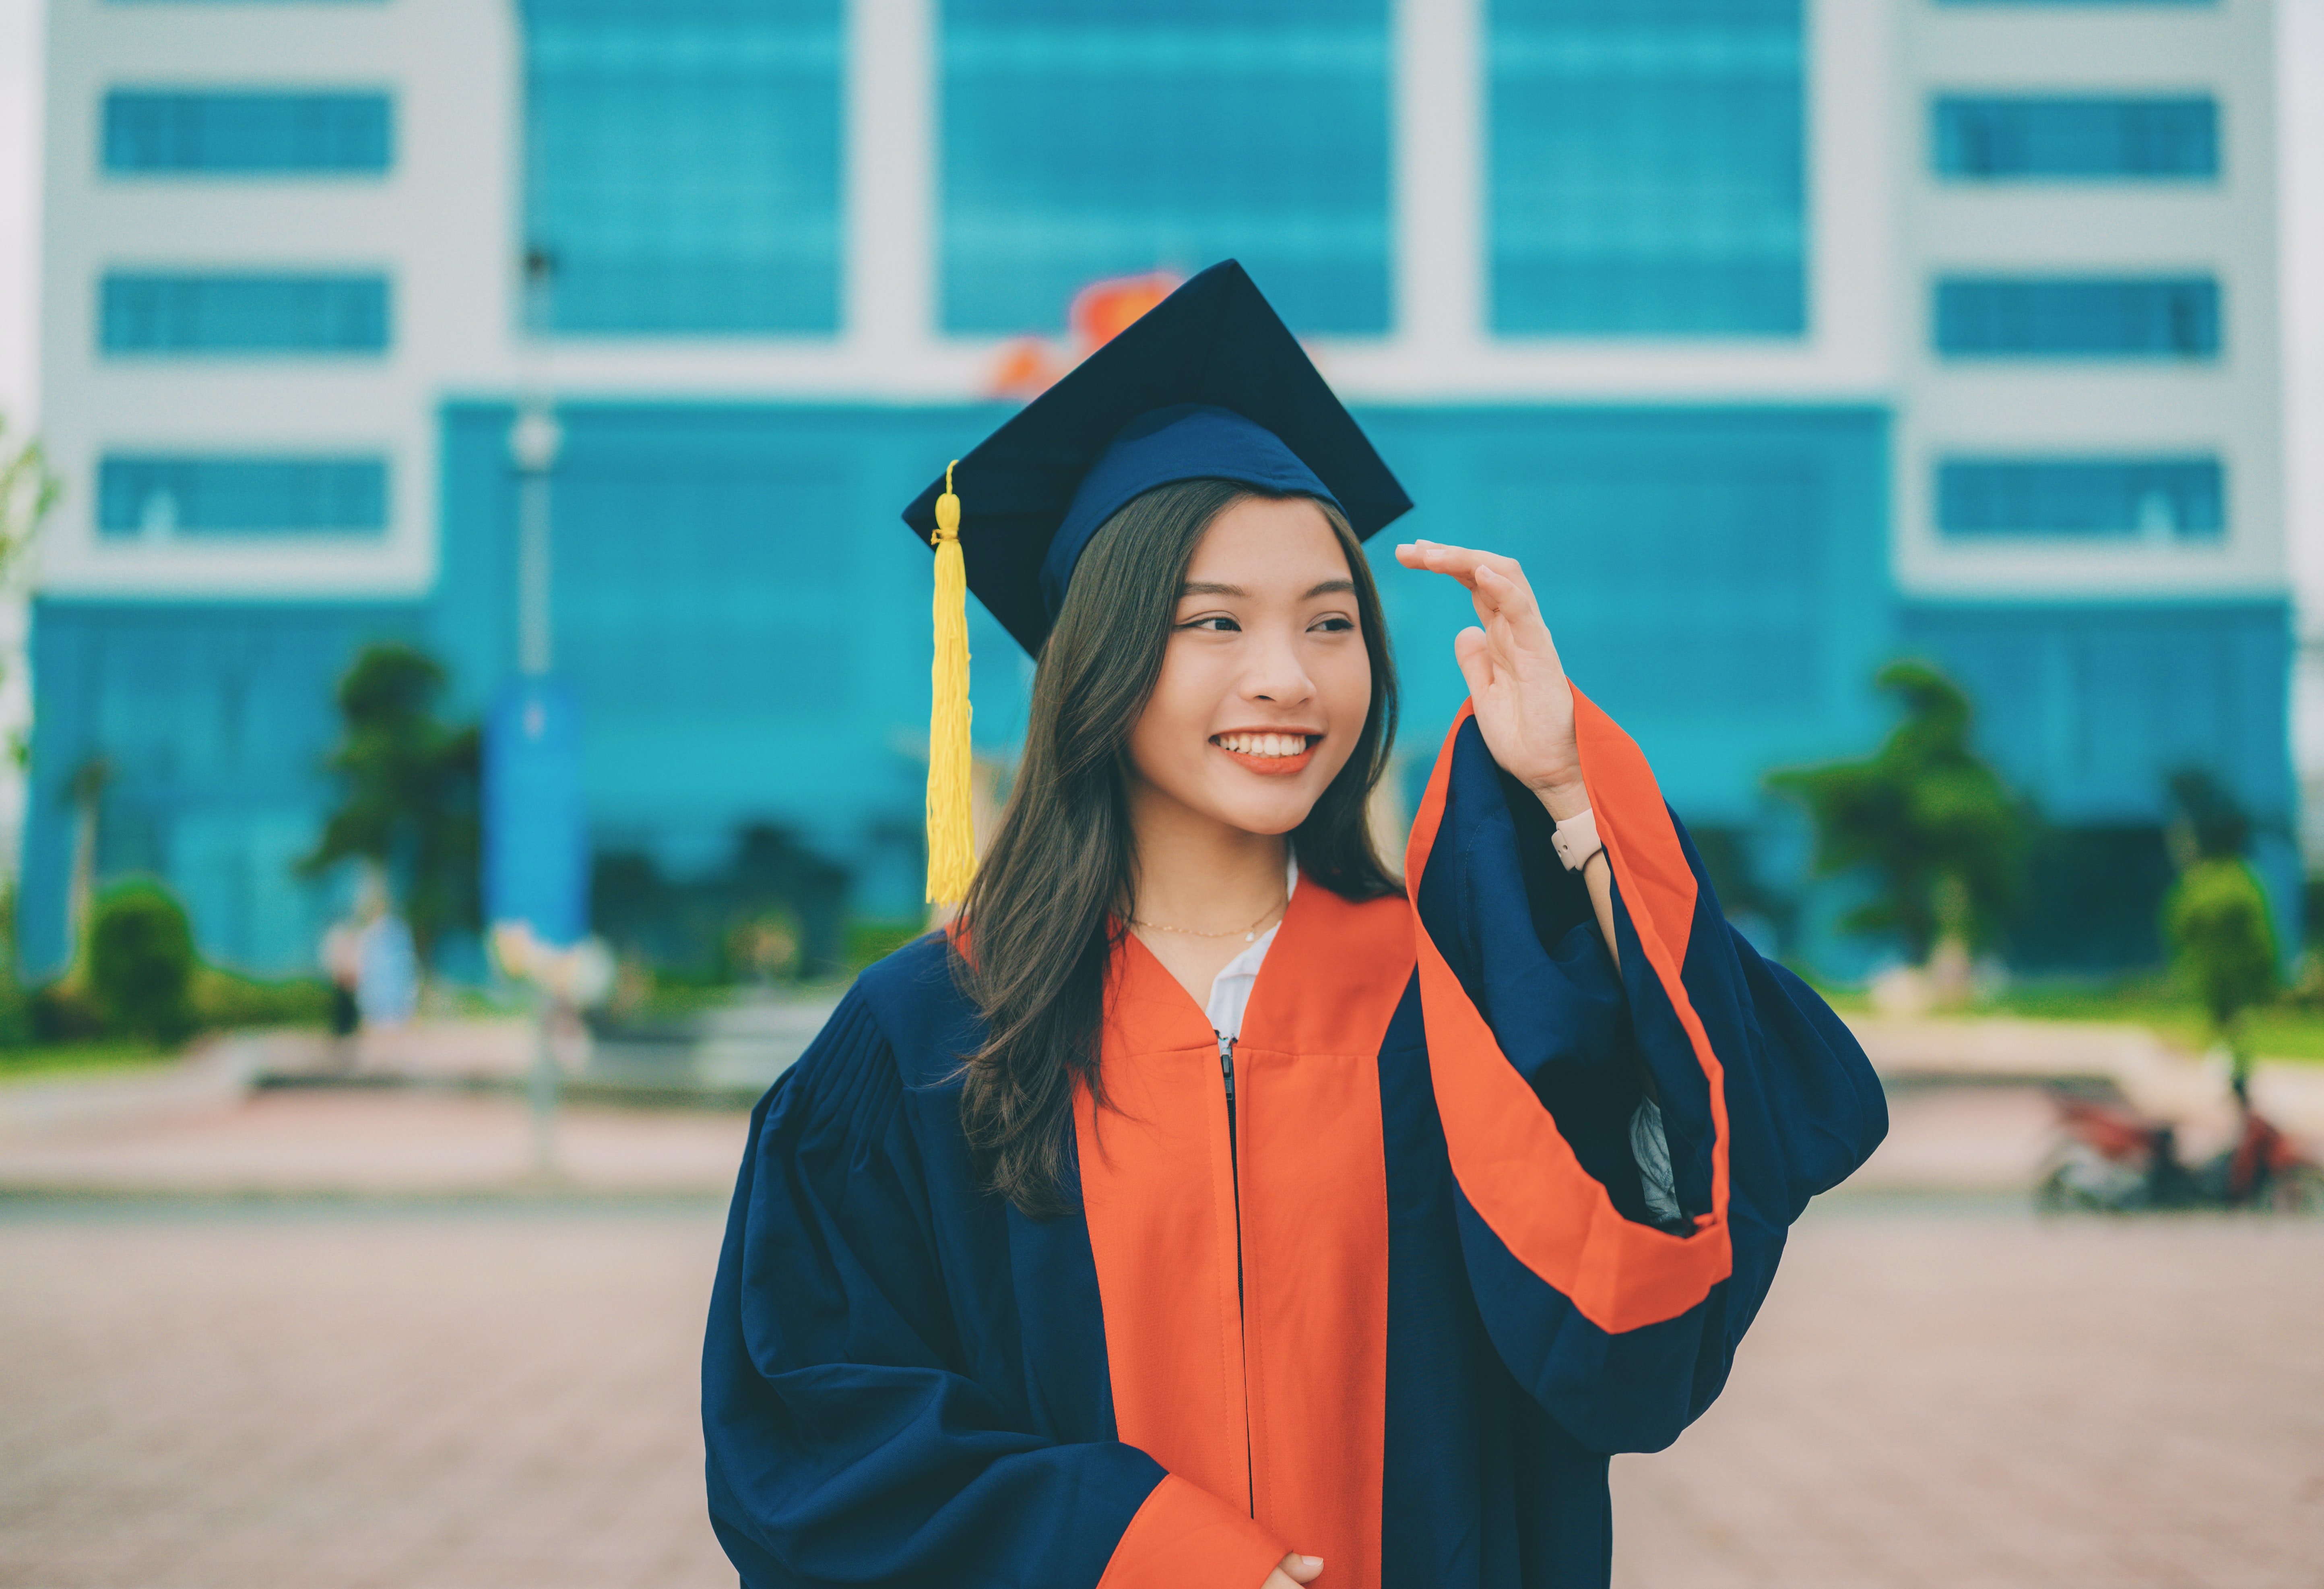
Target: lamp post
x=536, y=835
x=534, y=441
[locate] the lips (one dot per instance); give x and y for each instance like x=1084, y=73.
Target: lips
x=1269, y=753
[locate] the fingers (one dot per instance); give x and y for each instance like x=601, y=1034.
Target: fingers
x=1496, y=584
x=1301, y=1569
x=1464, y=564
x=1474, y=653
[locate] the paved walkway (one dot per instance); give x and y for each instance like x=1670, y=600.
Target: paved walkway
x=1943, y=1401
x=405, y=1141
x=358, y=1396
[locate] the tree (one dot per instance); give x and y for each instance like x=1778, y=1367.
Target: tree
x=2216, y=917
x=1925, y=813
x=410, y=791
x=28, y=490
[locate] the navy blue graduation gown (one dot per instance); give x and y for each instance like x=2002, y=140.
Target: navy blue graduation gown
x=1401, y=1324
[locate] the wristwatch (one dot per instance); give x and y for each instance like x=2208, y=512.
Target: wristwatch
x=1576, y=839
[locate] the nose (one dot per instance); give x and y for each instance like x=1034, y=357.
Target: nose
x=1278, y=676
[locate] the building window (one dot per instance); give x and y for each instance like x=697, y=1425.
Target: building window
x=243, y=314
x=1084, y=142
x=2155, y=499
x=2003, y=138
x=2170, y=317
x=256, y=135
x=1690, y=576
x=744, y=612
x=1646, y=167
x=162, y=497
x=682, y=165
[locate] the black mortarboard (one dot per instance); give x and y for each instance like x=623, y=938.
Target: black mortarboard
x=1207, y=385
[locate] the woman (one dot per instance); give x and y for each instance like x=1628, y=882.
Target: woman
x=1209, y=1208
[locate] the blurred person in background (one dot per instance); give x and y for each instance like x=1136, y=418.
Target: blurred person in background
x=387, y=967
x=1206, y=1206
x=342, y=958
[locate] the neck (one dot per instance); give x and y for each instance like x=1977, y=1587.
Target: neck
x=1197, y=873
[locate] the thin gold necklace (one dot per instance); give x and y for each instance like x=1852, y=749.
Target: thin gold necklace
x=1248, y=933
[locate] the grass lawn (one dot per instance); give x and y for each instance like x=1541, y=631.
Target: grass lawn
x=2278, y=1032
x=52, y=1061
x=2284, y=1031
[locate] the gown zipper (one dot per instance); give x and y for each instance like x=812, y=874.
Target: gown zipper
x=1226, y=1075
x=1226, y=1071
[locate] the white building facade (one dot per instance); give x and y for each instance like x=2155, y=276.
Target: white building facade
x=1779, y=337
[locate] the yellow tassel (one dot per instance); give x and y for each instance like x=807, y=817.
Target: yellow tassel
x=952, y=830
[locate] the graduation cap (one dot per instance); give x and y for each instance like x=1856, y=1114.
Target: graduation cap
x=1209, y=384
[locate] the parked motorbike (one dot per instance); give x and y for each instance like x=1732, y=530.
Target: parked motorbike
x=2109, y=1157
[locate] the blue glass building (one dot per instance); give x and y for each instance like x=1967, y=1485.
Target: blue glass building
x=1619, y=286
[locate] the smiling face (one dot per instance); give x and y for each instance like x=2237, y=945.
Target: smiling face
x=1266, y=681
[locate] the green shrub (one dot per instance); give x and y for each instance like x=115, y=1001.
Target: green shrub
x=224, y=1000
x=63, y=1014
x=140, y=962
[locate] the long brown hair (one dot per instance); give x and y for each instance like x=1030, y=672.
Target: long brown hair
x=1053, y=894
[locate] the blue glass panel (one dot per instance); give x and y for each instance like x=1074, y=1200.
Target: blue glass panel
x=1716, y=578
x=1646, y=167
x=192, y=314
x=704, y=590
x=241, y=495
x=682, y=163
x=215, y=717
x=2156, y=499
x=2090, y=708
x=1999, y=138
x=2065, y=318
x=1688, y=582
x=1080, y=142
x=248, y=134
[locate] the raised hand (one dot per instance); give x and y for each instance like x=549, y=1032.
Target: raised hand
x=1525, y=707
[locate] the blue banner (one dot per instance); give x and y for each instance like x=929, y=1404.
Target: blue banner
x=536, y=830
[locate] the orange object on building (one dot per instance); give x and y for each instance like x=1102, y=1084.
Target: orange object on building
x=1100, y=312
x=1025, y=368
x=1103, y=311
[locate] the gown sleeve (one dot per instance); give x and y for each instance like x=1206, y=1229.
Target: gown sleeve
x=1622, y=1323
x=844, y=1441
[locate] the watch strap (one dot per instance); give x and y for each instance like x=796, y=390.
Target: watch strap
x=1576, y=839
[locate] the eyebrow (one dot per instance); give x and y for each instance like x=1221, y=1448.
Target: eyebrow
x=1204, y=587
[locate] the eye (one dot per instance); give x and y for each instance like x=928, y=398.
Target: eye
x=1214, y=623
x=1337, y=623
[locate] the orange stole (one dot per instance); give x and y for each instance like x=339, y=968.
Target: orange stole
x=1512, y=1163
x=1276, y=1399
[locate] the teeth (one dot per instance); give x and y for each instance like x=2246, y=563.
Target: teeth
x=1264, y=744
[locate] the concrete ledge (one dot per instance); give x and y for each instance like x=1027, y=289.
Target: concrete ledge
x=215, y=1075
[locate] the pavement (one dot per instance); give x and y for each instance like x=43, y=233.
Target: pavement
x=1940, y=1399
x=261, y=1327
x=278, y=1141
x=382, y=1394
